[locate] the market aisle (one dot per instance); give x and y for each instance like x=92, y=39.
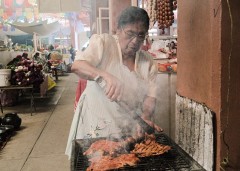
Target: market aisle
x=40, y=144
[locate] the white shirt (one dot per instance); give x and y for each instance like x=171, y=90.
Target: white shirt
x=96, y=115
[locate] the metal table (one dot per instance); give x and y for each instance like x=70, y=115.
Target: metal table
x=15, y=87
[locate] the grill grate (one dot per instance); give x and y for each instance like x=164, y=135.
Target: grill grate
x=174, y=160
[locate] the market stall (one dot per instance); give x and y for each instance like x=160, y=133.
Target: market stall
x=25, y=74
x=37, y=29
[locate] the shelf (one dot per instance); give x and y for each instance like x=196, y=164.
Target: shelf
x=159, y=72
x=162, y=37
x=160, y=58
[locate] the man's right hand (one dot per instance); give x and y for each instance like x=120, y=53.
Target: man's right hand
x=114, y=87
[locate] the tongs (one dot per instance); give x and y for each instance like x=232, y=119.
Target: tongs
x=146, y=127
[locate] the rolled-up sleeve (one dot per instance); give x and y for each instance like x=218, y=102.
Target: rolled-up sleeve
x=94, y=52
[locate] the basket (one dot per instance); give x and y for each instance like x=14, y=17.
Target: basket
x=5, y=76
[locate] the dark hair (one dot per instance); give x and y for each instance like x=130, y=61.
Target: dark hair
x=133, y=14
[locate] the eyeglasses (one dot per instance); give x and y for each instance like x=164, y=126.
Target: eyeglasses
x=132, y=35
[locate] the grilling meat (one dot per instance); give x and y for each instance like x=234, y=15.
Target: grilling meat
x=108, y=155
x=103, y=148
x=149, y=147
x=104, y=163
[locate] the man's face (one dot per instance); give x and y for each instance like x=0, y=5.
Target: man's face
x=131, y=37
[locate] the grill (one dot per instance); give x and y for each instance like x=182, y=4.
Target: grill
x=174, y=160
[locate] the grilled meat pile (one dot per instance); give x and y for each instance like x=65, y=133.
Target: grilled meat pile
x=149, y=148
x=109, y=155
x=108, y=163
x=104, y=148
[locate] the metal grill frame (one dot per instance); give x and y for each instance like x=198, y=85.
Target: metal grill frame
x=175, y=159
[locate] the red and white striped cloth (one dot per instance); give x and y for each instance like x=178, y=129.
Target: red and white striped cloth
x=80, y=88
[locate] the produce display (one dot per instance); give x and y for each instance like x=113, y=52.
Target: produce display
x=161, y=11
x=165, y=53
x=167, y=67
x=25, y=71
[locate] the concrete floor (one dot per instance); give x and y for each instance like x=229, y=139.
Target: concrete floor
x=40, y=143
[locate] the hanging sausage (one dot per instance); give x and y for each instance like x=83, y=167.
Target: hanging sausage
x=161, y=11
x=152, y=11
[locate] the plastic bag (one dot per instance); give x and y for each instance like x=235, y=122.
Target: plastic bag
x=51, y=83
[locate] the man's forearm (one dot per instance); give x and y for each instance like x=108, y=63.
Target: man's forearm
x=84, y=70
x=148, y=107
